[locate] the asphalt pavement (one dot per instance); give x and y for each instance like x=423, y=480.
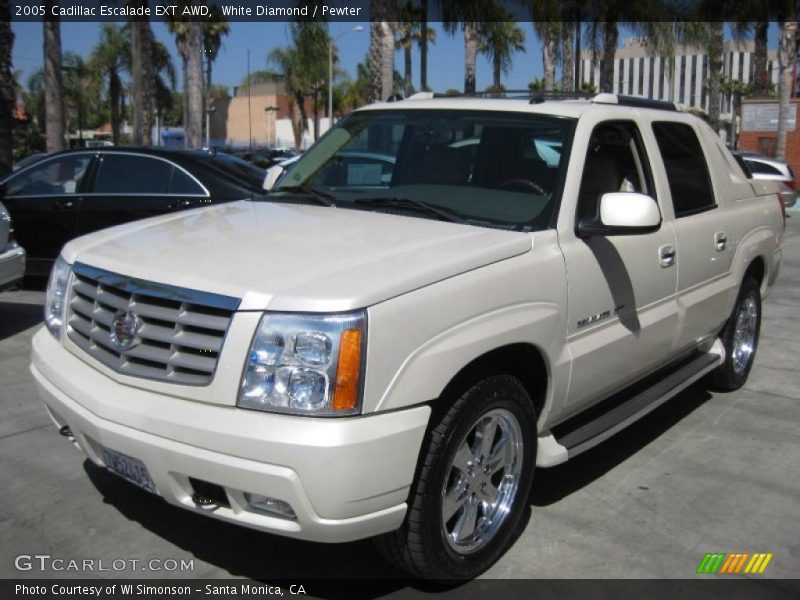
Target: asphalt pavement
x=706, y=472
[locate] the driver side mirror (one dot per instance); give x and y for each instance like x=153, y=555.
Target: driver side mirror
x=622, y=213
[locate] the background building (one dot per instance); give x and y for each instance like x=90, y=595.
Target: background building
x=637, y=73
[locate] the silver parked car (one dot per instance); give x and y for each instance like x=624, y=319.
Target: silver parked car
x=764, y=167
x=12, y=256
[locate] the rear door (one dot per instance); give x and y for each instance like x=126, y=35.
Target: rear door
x=43, y=202
x=704, y=236
x=132, y=186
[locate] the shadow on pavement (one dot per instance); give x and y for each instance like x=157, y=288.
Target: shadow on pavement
x=553, y=484
x=16, y=317
x=331, y=568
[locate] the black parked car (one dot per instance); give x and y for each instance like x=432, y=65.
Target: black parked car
x=75, y=192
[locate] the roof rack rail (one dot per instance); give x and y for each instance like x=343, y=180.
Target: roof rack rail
x=634, y=101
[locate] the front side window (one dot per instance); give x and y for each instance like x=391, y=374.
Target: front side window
x=687, y=171
x=55, y=177
x=485, y=168
x=615, y=162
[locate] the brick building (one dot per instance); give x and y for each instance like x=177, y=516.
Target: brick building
x=759, y=130
x=260, y=114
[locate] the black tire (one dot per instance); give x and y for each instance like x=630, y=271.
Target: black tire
x=421, y=545
x=732, y=374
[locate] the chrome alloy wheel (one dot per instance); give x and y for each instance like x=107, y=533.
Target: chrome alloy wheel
x=482, y=481
x=744, y=336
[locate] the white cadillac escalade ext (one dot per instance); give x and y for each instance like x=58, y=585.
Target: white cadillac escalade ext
x=440, y=296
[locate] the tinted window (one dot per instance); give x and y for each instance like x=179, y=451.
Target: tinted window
x=183, y=184
x=127, y=174
x=55, y=177
x=687, y=171
x=615, y=162
x=502, y=169
x=759, y=167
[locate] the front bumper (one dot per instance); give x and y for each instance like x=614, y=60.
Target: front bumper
x=345, y=478
x=12, y=267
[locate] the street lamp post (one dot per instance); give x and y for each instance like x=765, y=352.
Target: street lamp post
x=330, y=70
x=208, y=125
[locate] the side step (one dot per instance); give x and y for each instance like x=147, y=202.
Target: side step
x=601, y=421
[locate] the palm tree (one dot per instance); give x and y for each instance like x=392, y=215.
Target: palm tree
x=499, y=40
x=179, y=28
x=194, y=86
x=53, y=90
x=7, y=90
x=468, y=14
x=409, y=32
x=567, y=57
x=548, y=29
x=143, y=90
x=787, y=60
x=381, y=48
x=108, y=59
x=735, y=90
x=214, y=30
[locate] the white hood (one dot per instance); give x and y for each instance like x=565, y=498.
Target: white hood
x=295, y=257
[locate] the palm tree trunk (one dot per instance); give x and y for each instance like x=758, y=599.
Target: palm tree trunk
x=194, y=90
x=114, y=94
x=787, y=59
x=760, y=75
x=470, y=53
x=298, y=120
x=567, y=58
x=408, y=86
x=387, y=59
x=715, y=73
x=53, y=87
x=497, y=69
x=549, y=60
x=423, y=47
x=148, y=99
x=184, y=96
x=7, y=90
x=374, y=61
x=610, y=39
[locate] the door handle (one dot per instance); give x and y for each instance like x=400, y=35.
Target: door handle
x=179, y=204
x=667, y=255
x=62, y=204
x=720, y=240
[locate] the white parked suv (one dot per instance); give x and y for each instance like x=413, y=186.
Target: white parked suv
x=359, y=355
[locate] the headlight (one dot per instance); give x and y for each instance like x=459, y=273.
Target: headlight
x=306, y=364
x=55, y=301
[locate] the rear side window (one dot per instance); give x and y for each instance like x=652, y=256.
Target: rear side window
x=687, y=171
x=183, y=184
x=127, y=174
x=765, y=169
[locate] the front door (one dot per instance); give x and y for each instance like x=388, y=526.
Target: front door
x=621, y=289
x=43, y=202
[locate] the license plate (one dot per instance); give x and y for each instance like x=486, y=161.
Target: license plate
x=130, y=469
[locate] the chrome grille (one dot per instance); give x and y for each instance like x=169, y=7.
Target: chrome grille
x=181, y=331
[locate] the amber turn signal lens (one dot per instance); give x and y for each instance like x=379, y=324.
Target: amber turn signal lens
x=345, y=395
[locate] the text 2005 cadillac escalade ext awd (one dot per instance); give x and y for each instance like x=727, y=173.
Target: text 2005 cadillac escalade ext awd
x=440, y=296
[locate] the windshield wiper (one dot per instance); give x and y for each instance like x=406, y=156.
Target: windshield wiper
x=446, y=214
x=321, y=197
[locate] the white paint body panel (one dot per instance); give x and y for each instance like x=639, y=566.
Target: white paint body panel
x=438, y=296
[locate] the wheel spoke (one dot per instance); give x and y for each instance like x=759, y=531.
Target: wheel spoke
x=463, y=458
x=465, y=526
x=453, y=501
x=485, y=435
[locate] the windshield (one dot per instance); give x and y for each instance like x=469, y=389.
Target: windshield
x=488, y=168
x=234, y=167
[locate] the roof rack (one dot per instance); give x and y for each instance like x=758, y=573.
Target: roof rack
x=634, y=101
x=537, y=97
